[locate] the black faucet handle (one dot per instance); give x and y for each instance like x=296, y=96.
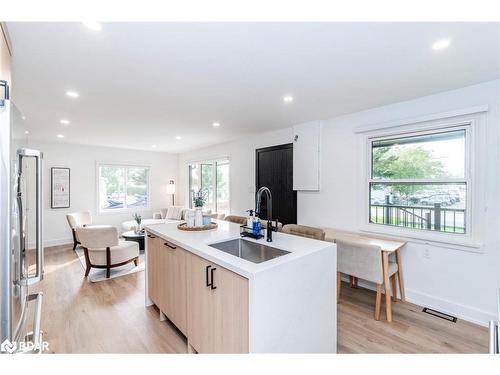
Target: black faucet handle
x=276, y=226
x=272, y=227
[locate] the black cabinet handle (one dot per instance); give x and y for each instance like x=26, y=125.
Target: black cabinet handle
x=206, y=274
x=150, y=236
x=212, y=277
x=168, y=245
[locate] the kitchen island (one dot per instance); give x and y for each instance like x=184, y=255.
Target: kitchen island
x=246, y=296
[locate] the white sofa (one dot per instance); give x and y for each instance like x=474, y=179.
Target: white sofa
x=167, y=215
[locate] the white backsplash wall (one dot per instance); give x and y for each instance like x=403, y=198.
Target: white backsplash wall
x=82, y=161
x=451, y=280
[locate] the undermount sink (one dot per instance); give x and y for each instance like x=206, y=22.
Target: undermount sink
x=251, y=251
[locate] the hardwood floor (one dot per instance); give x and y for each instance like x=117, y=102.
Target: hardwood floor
x=110, y=317
x=104, y=317
x=411, y=330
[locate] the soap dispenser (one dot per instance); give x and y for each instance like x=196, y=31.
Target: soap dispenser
x=250, y=218
x=256, y=226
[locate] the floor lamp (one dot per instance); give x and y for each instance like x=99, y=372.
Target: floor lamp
x=171, y=191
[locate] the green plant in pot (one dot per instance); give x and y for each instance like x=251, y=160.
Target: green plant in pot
x=138, y=220
x=199, y=199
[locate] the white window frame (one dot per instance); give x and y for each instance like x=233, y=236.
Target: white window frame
x=466, y=179
x=472, y=122
x=124, y=209
x=214, y=162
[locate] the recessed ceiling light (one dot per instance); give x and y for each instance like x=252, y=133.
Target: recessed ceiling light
x=216, y=124
x=64, y=122
x=153, y=146
x=72, y=94
x=60, y=136
x=92, y=25
x=288, y=99
x=23, y=117
x=26, y=132
x=441, y=44
x=178, y=137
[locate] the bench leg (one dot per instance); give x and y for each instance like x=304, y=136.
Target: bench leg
x=399, y=261
x=385, y=267
x=394, y=288
x=378, y=300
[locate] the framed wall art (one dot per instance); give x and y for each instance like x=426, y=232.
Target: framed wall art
x=59, y=187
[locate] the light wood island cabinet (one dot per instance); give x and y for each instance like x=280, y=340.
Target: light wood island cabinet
x=225, y=303
x=217, y=308
x=167, y=280
x=205, y=301
x=153, y=275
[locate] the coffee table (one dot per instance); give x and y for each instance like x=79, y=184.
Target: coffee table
x=137, y=237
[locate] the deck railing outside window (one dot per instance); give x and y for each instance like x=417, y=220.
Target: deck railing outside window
x=436, y=218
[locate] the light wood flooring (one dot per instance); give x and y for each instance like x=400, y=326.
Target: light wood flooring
x=411, y=330
x=110, y=317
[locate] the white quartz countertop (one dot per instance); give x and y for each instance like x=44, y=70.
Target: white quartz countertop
x=198, y=243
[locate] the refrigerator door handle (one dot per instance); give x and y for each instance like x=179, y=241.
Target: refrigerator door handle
x=494, y=339
x=36, y=335
x=22, y=153
x=6, y=95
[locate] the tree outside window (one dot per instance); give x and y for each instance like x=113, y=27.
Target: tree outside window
x=419, y=181
x=122, y=187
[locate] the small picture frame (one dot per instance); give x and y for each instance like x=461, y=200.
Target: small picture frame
x=59, y=187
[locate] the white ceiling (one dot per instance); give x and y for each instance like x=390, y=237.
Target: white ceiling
x=145, y=83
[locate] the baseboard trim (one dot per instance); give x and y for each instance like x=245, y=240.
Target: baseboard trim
x=464, y=312
x=52, y=243
x=468, y=313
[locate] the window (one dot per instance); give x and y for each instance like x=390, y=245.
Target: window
x=420, y=180
x=213, y=178
x=122, y=187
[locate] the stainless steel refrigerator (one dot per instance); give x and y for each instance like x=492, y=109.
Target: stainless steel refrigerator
x=495, y=331
x=21, y=243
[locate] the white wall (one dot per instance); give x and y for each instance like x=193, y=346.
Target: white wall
x=455, y=281
x=459, y=282
x=82, y=161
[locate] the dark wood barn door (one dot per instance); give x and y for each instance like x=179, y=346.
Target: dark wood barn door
x=274, y=169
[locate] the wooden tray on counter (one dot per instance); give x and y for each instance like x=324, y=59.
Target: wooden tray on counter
x=183, y=226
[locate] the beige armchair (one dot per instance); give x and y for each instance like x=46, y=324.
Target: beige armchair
x=304, y=231
x=78, y=219
x=242, y=220
x=365, y=262
x=215, y=215
x=103, y=249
